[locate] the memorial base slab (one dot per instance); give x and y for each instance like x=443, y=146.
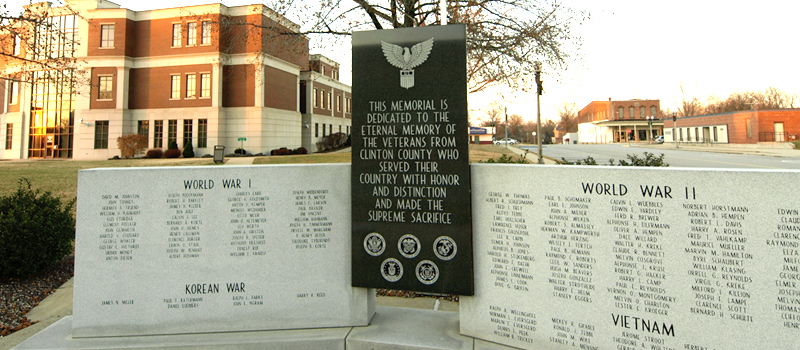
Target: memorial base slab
x=393, y=328
x=59, y=336
x=407, y=329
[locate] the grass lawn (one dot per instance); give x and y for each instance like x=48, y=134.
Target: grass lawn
x=60, y=177
x=482, y=153
x=342, y=157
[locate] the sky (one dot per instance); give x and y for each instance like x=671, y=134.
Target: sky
x=639, y=49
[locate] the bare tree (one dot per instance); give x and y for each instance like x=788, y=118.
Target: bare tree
x=774, y=98
x=714, y=105
x=689, y=106
x=494, y=115
x=41, y=39
x=567, y=117
x=741, y=101
x=771, y=98
x=270, y=35
x=515, y=123
x=528, y=129
x=504, y=37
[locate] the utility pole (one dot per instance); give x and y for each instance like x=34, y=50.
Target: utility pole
x=506, y=127
x=674, y=129
x=538, y=70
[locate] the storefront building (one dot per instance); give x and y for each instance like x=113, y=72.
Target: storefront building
x=620, y=121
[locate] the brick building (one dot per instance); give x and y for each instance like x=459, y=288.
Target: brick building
x=329, y=109
x=620, y=121
x=206, y=75
x=777, y=125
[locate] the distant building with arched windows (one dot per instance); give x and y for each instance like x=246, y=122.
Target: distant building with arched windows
x=620, y=121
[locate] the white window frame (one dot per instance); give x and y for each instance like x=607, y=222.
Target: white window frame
x=202, y=133
x=100, y=85
x=9, y=136
x=177, y=34
x=13, y=92
x=107, y=35
x=316, y=100
x=191, y=85
x=191, y=34
x=328, y=100
x=205, y=85
x=205, y=33
x=175, y=87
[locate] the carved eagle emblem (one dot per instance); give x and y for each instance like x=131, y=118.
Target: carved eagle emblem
x=406, y=59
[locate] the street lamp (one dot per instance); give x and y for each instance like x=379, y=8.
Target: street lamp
x=538, y=70
x=650, y=126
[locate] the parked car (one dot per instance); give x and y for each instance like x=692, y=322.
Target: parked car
x=659, y=139
x=509, y=141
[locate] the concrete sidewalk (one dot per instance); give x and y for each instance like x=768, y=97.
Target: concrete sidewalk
x=780, y=149
x=239, y=160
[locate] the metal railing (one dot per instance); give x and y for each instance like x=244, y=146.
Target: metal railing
x=773, y=136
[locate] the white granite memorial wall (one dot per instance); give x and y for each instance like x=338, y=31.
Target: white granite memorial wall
x=573, y=257
x=214, y=249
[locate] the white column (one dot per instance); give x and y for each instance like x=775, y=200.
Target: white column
x=216, y=85
x=259, y=88
x=123, y=82
x=24, y=101
x=310, y=96
x=297, y=93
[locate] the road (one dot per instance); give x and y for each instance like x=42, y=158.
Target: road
x=676, y=157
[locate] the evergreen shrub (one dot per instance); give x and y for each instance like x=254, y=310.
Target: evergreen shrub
x=36, y=231
x=188, y=150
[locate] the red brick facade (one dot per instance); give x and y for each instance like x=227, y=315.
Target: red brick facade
x=224, y=72
x=741, y=127
x=619, y=121
x=240, y=92
x=96, y=101
x=158, y=94
x=280, y=89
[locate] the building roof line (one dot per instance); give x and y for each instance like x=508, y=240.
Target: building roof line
x=741, y=111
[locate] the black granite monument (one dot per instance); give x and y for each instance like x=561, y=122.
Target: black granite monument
x=412, y=219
